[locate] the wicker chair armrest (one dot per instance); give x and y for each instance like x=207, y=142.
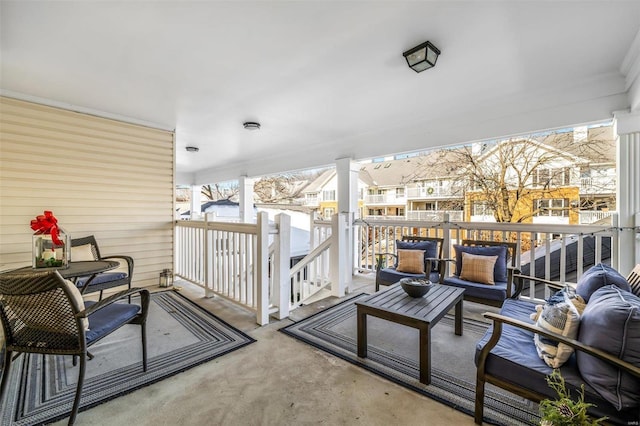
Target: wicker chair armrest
x=129, y=260
x=498, y=320
x=144, y=299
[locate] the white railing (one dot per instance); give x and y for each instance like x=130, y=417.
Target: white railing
x=435, y=215
x=589, y=217
x=328, y=266
x=231, y=260
x=598, y=185
x=385, y=199
x=560, y=251
x=431, y=192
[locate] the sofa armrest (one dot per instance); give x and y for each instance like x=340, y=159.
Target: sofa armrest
x=499, y=320
x=557, y=285
x=511, y=273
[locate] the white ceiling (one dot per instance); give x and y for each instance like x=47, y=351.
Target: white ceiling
x=326, y=79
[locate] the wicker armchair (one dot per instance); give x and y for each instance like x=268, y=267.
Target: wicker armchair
x=42, y=313
x=86, y=248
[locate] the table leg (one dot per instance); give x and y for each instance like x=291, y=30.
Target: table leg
x=362, y=333
x=459, y=318
x=425, y=354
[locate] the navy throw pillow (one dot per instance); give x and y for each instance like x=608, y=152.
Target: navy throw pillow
x=611, y=322
x=430, y=249
x=598, y=276
x=499, y=270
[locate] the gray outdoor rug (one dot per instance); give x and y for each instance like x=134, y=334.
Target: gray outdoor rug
x=180, y=335
x=393, y=354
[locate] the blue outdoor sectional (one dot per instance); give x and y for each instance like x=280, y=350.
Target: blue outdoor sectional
x=602, y=351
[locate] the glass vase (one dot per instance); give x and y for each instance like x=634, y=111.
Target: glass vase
x=47, y=254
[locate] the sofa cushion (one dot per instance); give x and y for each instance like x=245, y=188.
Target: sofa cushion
x=102, y=278
x=611, y=322
x=560, y=315
x=598, y=276
x=497, y=291
x=430, y=249
x=391, y=275
x=500, y=268
x=478, y=268
x=411, y=261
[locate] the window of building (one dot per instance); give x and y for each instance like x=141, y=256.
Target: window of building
x=481, y=208
x=558, y=207
x=329, y=195
x=328, y=212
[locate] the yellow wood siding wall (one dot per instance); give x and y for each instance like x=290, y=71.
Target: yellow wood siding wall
x=99, y=176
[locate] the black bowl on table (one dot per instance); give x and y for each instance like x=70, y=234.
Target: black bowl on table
x=416, y=287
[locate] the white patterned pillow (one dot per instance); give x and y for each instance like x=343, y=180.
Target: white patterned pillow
x=560, y=315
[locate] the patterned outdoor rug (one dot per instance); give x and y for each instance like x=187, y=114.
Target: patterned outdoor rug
x=393, y=354
x=180, y=335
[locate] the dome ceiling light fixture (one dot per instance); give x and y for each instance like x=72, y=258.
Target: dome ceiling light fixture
x=251, y=125
x=192, y=149
x=422, y=57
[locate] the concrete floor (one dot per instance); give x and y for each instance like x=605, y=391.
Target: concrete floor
x=275, y=381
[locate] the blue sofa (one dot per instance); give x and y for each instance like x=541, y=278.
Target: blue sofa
x=606, y=356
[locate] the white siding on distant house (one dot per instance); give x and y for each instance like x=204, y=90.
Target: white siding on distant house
x=99, y=176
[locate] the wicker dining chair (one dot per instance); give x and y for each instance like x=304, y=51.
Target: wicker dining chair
x=42, y=313
x=86, y=249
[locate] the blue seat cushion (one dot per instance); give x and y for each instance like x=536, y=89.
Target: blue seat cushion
x=484, y=291
x=109, y=319
x=393, y=276
x=500, y=268
x=102, y=278
x=430, y=250
x=515, y=360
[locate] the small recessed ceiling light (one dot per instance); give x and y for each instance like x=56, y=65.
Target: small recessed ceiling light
x=250, y=125
x=193, y=149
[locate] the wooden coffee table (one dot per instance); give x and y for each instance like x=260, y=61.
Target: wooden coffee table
x=422, y=313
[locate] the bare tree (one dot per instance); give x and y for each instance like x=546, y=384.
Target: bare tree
x=218, y=191
x=507, y=177
x=284, y=188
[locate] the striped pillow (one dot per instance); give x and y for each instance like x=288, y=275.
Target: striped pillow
x=561, y=315
x=478, y=268
x=634, y=280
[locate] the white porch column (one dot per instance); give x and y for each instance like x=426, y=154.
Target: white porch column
x=347, y=175
x=246, y=199
x=196, y=201
x=628, y=189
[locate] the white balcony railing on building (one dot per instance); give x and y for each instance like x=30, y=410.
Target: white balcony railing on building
x=598, y=185
x=385, y=199
x=430, y=192
x=431, y=215
x=589, y=217
x=545, y=251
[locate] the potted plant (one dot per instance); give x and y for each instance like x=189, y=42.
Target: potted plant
x=564, y=411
